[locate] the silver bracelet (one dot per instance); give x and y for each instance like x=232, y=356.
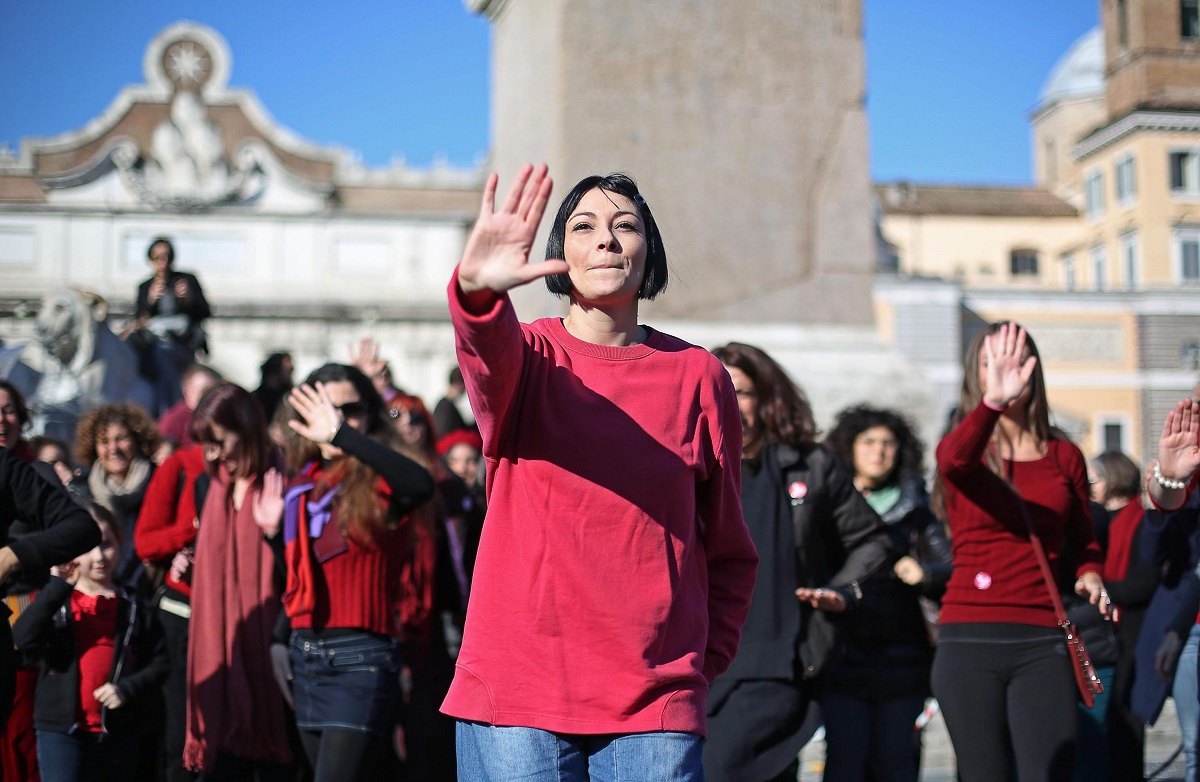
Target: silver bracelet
x=1165, y=482
x=336, y=428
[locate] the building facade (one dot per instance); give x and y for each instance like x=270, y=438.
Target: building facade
x=297, y=246
x=1101, y=259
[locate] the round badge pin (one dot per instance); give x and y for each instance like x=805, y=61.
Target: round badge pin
x=982, y=580
x=798, y=490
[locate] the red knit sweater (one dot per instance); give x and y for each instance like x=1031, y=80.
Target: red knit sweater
x=996, y=576
x=356, y=581
x=167, y=522
x=615, y=570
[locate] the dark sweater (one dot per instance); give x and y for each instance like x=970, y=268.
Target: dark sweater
x=64, y=530
x=44, y=632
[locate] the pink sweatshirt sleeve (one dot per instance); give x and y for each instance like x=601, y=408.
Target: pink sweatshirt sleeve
x=490, y=348
x=732, y=560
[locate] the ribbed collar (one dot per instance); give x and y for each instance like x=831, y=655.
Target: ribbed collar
x=606, y=352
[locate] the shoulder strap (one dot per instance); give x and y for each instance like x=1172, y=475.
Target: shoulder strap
x=1060, y=614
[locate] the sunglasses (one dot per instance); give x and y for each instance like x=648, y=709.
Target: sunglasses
x=353, y=409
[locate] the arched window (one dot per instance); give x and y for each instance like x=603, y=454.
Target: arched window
x=1023, y=262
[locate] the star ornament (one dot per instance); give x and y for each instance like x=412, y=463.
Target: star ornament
x=187, y=62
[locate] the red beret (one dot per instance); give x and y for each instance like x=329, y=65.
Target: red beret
x=460, y=437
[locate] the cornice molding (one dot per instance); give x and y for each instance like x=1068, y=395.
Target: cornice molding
x=1160, y=121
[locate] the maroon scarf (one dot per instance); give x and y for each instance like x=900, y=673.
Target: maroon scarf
x=233, y=703
x=1121, y=529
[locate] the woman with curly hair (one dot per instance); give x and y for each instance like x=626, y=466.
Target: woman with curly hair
x=359, y=566
x=874, y=694
x=118, y=441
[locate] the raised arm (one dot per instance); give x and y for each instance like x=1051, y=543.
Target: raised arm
x=496, y=258
x=1178, y=457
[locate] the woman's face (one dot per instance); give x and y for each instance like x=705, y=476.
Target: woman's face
x=875, y=452
x=345, y=397
x=10, y=422
x=409, y=425
x=222, y=448
x=747, y=399
x=605, y=248
x=116, y=449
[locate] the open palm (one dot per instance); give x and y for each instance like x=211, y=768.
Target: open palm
x=496, y=257
x=1008, y=368
x=1179, y=445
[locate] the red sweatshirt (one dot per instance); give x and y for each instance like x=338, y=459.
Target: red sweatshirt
x=615, y=570
x=996, y=575
x=167, y=521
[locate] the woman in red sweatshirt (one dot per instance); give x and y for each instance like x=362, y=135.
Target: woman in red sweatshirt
x=1001, y=674
x=615, y=571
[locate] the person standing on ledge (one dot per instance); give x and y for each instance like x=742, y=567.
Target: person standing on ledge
x=615, y=570
x=169, y=322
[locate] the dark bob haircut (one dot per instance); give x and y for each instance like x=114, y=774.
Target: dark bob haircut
x=655, y=276
x=164, y=241
x=853, y=421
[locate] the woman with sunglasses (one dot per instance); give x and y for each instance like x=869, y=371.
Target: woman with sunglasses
x=359, y=570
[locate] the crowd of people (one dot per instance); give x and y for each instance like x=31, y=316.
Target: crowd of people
x=605, y=553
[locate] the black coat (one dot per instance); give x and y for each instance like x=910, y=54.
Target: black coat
x=888, y=652
x=835, y=541
x=45, y=632
x=195, y=307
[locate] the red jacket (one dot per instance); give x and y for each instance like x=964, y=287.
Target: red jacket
x=167, y=523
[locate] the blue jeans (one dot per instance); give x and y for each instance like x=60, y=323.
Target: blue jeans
x=84, y=757
x=1187, y=702
x=499, y=754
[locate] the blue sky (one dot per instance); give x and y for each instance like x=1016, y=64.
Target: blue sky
x=950, y=83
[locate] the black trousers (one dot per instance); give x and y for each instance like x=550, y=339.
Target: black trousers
x=174, y=690
x=1008, y=696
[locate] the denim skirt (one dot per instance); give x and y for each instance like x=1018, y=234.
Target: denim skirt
x=347, y=682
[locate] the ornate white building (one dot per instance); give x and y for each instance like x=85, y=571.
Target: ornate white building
x=298, y=246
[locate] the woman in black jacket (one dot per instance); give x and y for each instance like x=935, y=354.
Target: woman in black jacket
x=874, y=694
x=817, y=542
x=100, y=654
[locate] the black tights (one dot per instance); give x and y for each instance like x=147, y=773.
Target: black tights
x=1008, y=695
x=341, y=754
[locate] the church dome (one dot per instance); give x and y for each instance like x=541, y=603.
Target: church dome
x=1079, y=72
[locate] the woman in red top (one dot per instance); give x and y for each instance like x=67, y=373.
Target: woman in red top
x=359, y=570
x=1001, y=674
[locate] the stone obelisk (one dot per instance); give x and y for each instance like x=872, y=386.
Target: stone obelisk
x=743, y=122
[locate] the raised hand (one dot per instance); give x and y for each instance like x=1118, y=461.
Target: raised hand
x=320, y=420
x=1179, y=444
x=496, y=257
x=366, y=357
x=268, y=505
x=1008, y=369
